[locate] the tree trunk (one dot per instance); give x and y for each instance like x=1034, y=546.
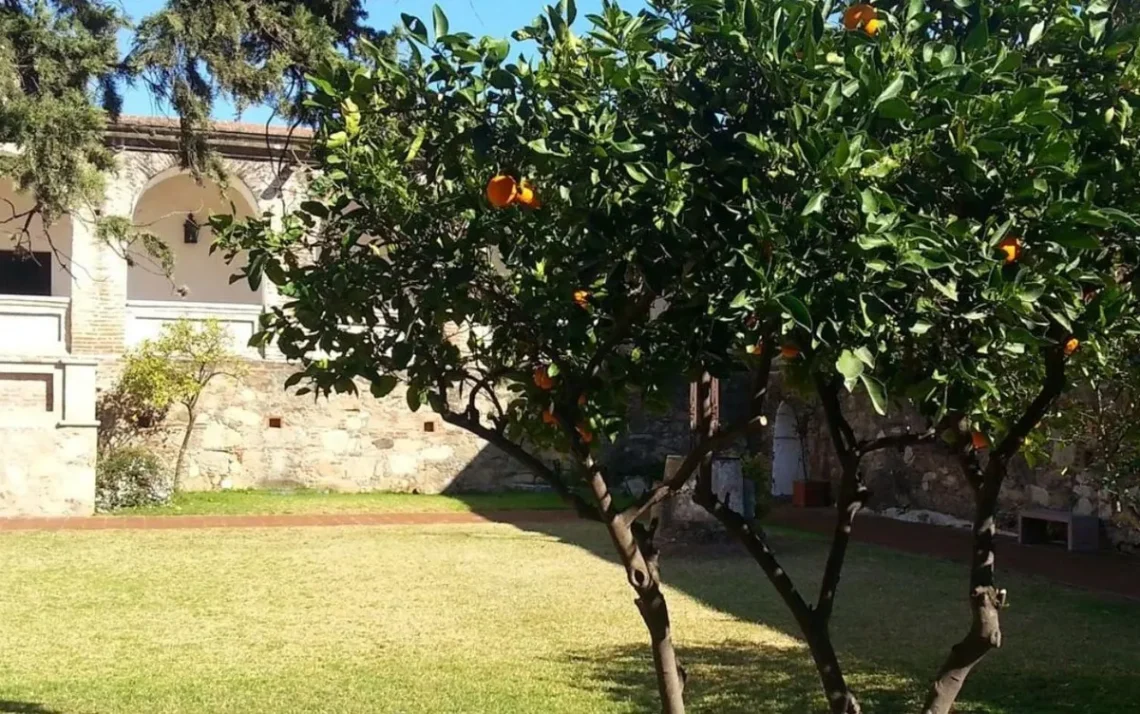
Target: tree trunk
x=634, y=544
x=191, y=416
x=840, y=700
x=985, y=604
x=670, y=676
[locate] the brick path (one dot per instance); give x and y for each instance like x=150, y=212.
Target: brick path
x=1107, y=572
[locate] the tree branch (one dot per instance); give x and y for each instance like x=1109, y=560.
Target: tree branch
x=896, y=441
x=668, y=487
x=530, y=461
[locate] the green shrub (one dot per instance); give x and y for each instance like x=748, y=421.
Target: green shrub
x=129, y=477
x=757, y=468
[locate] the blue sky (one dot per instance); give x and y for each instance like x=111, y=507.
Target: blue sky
x=478, y=17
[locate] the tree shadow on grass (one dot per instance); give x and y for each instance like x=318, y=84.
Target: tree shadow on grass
x=897, y=615
x=12, y=707
x=734, y=678
x=744, y=678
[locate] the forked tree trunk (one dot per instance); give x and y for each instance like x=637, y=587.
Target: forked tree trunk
x=634, y=544
x=985, y=605
x=986, y=600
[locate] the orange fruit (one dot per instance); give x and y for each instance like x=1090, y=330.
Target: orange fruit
x=549, y=418
x=873, y=26
x=542, y=380
x=979, y=440
x=857, y=15
x=582, y=298
x=1071, y=346
x=1011, y=248
x=789, y=351
x=582, y=400
x=527, y=196
x=584, y=434
x=502, y=191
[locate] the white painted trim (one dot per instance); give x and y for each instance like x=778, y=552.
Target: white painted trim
x=40, y=311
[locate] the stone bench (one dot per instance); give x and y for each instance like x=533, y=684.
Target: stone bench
x=1082, y=533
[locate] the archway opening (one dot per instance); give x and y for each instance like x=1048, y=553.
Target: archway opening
x=35, y=259
x=176, y=209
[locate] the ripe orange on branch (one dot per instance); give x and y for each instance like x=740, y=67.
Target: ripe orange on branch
x=857, y=16
x=542, y=380
x=1011, y=248
x=502, y=191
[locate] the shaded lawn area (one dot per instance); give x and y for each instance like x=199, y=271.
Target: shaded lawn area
x=302, y=501
x=491, y=618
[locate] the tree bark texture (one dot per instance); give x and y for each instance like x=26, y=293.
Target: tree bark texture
x=813, y=623
x=985, y=604
x=986, y=600
x=191, y=417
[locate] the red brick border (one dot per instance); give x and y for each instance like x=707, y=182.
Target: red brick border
x=278, y=520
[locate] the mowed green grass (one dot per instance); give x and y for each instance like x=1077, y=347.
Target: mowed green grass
x=266, y=502
x=492, y=618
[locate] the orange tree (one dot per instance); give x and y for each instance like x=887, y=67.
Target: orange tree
x=945, y=204
x=930, y=203
x=522, y=246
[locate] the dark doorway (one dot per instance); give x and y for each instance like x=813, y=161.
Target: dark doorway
x=25, y=273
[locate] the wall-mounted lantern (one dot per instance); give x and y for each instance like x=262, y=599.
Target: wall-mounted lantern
x=190, y=229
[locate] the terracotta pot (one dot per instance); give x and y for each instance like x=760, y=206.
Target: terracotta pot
x=811, y=494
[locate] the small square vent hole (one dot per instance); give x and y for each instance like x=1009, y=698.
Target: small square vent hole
x=429, y=426
x=274, y=422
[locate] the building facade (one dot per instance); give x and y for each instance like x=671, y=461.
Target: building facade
x=71, y=304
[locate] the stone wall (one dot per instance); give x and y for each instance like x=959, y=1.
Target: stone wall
x=929, y=478
x=253, y=433
x=47, y=471
x=925, y=478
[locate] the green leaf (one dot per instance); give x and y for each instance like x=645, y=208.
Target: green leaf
x=635, y=173
x=1071, y=237
x=569, y=10
x=978, y=36
x=892, y=90
x=741, y=300
x=1035, y=33
x=497, y=51
x=947, y=55
x=500, y=78
x=414, y=398
x=921, y=327
x=797, y=310
x=815, y=204
x=850, y=366
x=896, y=108
x=414, y=147
x=877, y=392
x=949, y=289
x=336, y=140
x=383, y=386
x=870, y=203
x=865, y=357
x=415, y=27
x=440, y=21
x=552, y=370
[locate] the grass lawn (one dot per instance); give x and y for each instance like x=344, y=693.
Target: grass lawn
x=258, y=502
x=495, y=619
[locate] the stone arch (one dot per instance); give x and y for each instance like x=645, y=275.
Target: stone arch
x=788, y=459
x=46, y=249
x=161, y=208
